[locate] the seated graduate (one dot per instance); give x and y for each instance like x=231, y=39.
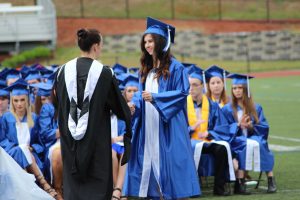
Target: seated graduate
x=248, y=121
x=50, y=136
x=216, y=85
x=209, y=131
x=19, y=134
x=17, y=183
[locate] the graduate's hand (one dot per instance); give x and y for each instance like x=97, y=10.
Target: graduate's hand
x=198, y=123
x=131, y=107
x=243, y=122
x=30, y=148
x=57, y=134
x=147, y=96
x=203, y=135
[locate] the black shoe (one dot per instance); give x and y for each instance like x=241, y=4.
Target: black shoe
x=222, y=190
x=271, y=185
x=224, y=193
x=240, y=187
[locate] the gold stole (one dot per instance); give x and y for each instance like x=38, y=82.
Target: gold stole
x=192, y=117
x=221, y=104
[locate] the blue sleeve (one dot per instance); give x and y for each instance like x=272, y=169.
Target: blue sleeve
x=47, y=130
x=137, y=101
x=233, y=125
x=262, y=127
x=121, y=127
x=169, y=103
x=4, y=141
x=219, y=127
x=35, y=140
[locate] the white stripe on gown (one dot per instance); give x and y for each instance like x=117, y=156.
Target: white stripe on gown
x=151, y=149
x=23, y=135
x=252, y=149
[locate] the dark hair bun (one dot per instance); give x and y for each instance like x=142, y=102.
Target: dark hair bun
x=82, y=33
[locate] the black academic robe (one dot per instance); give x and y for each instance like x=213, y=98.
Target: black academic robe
x=87, y=163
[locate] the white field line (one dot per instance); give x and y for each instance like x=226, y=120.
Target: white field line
x=282, y=148
x=285, y=138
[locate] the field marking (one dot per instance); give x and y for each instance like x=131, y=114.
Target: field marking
x=285, y=138
x=282, y=148
x=279, y=99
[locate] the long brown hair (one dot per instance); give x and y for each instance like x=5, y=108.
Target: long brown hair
x=223, y=98
x=248, y=105
x=147, y=60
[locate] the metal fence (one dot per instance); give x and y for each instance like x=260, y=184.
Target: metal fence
x=267, y=10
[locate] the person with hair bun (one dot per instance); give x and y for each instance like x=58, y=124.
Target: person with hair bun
x=85, y=92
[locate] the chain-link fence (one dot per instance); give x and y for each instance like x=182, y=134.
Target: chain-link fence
x=177, y=9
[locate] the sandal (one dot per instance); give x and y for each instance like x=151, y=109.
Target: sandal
x=46, y=187
x=115, y=197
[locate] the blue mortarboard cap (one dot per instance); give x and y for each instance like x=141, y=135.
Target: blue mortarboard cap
x=12, y=73
x=3, y=92
x=214, y=70
x=131, y=81
x=133, y=70
x=241, y=79
x=121, y=78
x=24, y=70
x=20, y=87
x=119, y=69
x=44, y=89
x=32, y=74
x=165, y=30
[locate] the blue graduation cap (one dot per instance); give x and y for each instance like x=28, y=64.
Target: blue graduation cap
x=3, y=76
x=12, y=73
x=121, y=78
x=3, y=92
x=133, y=70
x=131, y=81
x=119, y=69
x=50, y=78
x=32, y=74
x=165, y=30
x=198, y=73
x=216, y=71
x=44, y=89
x=241, y=79
x=20, y=87
x=24, y=70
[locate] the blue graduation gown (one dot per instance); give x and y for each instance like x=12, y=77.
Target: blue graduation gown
x=260, y=134
x=178, y=177
x=9, y=140
x=47, y=130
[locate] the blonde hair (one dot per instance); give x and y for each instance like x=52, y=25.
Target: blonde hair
x=28, y=112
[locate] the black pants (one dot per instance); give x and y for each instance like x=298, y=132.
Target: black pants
x=221, y=164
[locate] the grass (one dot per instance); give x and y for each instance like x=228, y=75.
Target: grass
x=192, y=9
